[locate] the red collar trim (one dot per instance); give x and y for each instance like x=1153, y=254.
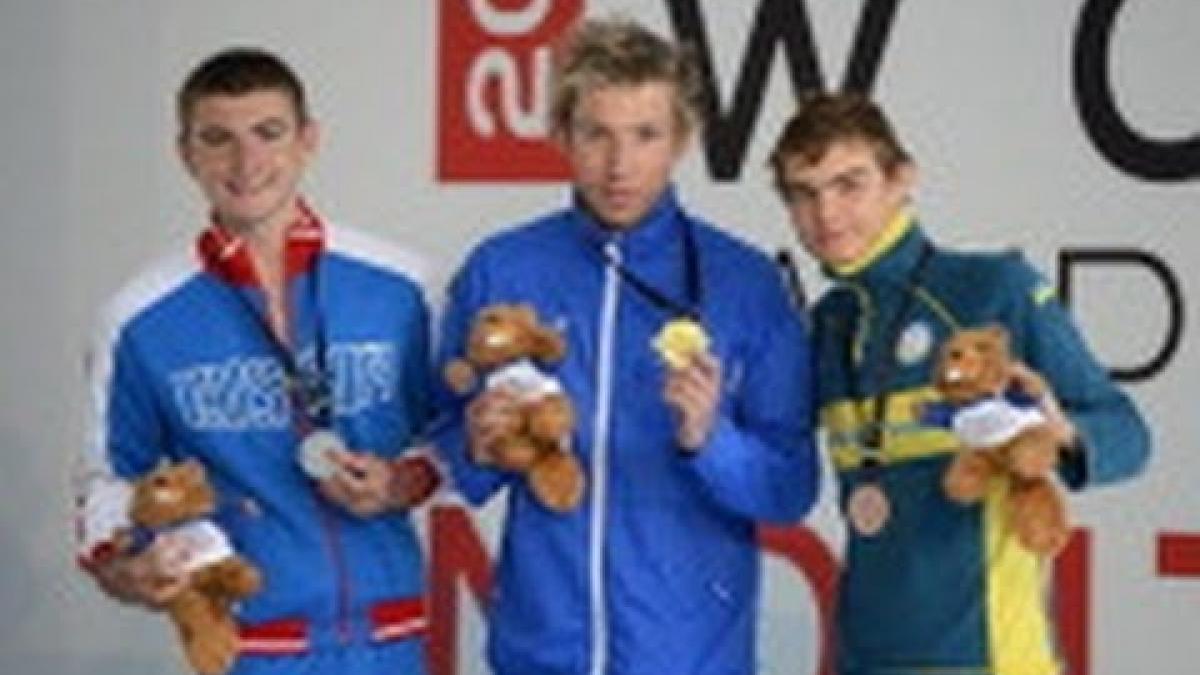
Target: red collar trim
x=225, y=254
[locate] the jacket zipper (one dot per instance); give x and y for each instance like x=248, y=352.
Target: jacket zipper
x=600, y=429
x=333, y=545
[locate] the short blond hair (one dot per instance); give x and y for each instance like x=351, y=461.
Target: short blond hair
x=620, y=52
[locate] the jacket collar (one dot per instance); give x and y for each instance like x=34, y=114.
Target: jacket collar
x=658, y=229
x=892, y=261
x=226, y=255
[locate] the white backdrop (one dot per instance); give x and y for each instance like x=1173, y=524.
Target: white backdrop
x=984, y=91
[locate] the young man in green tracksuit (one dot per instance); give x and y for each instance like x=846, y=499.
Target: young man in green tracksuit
x=928, y=585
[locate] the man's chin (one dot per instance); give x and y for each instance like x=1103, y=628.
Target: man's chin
x=837, y=258
x=620, y=220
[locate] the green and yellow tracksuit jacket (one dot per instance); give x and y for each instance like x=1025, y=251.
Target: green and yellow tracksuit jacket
x=945, y=588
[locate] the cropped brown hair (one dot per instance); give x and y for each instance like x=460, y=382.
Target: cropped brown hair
x=238, y=71
x=823, y=119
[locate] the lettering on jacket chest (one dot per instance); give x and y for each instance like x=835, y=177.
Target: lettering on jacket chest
x=247, y=392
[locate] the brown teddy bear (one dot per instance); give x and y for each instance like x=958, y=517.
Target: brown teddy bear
x=992, y=405
x=172, y=503
x=505, y=345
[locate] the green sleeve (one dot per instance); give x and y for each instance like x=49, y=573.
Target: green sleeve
x=1113, y=439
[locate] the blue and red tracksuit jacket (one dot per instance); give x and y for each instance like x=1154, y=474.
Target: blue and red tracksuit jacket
x=182, y=368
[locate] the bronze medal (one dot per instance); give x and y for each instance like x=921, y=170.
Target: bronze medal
x=868, y=509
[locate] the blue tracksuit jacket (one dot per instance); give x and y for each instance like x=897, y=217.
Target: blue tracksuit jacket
x=657, y=572
x=182, y=369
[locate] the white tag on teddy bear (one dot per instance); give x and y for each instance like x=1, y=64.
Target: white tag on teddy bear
x=523, y=379
x=193, y=545
x=993, y=422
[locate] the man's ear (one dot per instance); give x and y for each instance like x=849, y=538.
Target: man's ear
x=903, y=179
x=185, y=157
x=310, y=137
x=561, y=139
x=684, y=134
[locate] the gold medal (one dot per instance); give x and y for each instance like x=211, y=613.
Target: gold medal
x=679, y=340
x=868, y=509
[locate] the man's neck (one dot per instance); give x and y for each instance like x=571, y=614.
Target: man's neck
x=265, y=244
x=266, y=248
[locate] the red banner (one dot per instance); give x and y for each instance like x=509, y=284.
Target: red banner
x=494, y=72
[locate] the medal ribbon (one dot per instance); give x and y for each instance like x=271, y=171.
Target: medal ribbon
x=884, y=365
x=791, y=279
x=308, y=390
x=691, y=271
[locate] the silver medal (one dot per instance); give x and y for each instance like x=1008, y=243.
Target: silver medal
x=314, y=453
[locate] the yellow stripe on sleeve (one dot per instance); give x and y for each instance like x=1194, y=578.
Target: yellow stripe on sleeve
x=1043, y=294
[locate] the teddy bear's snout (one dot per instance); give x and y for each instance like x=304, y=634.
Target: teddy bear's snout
x=497, y=339
x=166, y=495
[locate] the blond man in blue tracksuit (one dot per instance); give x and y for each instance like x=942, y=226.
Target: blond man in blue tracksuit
x=928, y=585
x=657, y=570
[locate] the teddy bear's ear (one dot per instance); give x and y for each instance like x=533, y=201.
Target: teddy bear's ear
x=193, y=471
x=943, y=348
x=525, y=314
x=548, y=345
x=952, y=342
x=998, y=332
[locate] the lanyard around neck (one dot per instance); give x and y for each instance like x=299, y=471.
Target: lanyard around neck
x=883, y=365
x=690, y=306
x=310, y=390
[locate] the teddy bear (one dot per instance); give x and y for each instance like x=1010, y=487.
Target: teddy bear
x=506, y=345
x=992, y=405
x=170, y=507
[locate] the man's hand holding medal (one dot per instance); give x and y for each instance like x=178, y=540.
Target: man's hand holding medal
x=366, y=484
x=361, y=482
x=693, y=383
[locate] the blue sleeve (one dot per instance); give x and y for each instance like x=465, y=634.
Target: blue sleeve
x=415, y=385
x=760, y=460
x=465, y=297
x=1113, y=438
